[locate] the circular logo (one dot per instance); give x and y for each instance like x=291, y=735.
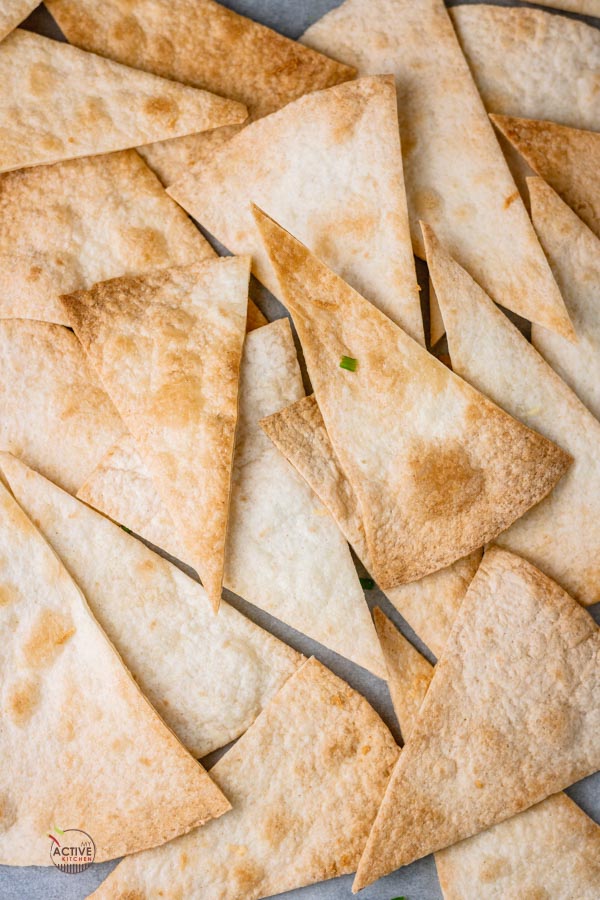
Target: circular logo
x=72, y=851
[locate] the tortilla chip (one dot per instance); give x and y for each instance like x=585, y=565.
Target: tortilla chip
x=567, y=158
x=207, y=676
x=329, y=167
x=438, y=470
x=53, y=412
x=512, y=715
x=456, y=177
x=254, y=318
x=189, y=41
x=284, y=554
x=305, y=781
x=51, y=242
x=561, y=535
x=428, y=605
x=168, y=347
x=66, y=696
x=79, y=104
x=574, y=254
x=12, y=13
x=532, y=63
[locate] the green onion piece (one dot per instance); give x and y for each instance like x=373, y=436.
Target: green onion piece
x=367, y=584
x=347, y=362
x=126, y=529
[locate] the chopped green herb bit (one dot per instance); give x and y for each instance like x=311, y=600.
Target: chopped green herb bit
x=347, y=362
x=126, y=529
x=368, y=584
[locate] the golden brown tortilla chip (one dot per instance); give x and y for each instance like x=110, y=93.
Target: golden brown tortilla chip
x=512, y=715
x=437, y=468
x=115, y=770
x=167, y=346
x=305, y=782
x=12, y=13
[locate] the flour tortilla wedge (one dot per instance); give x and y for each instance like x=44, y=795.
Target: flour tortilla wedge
x=561, y=534
x=438, y=470
x=567, y=158
x=516, y=53
x=71, y=103
x=428, y=605
x=168, y=346
x=305, y=781
x=512, y=715
x=51, y=242
x=456, y=176
x=207, y=676
x=53, y=412
x=285, y=554
x=574, y=254
x=67, y=697
x=187, y=40
x=329, y=167
x=12, y=13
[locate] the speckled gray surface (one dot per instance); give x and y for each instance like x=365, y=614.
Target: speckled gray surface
x=415, y=882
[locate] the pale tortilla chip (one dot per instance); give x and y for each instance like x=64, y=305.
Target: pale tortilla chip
x=12, y=13
x=567, y=158
x=168, y=347
x=329, y=167
x=305, y=782
x=456, y=177
x=512, y=715
x=67, y=696
x=574, y=254
x=203, y=44
x=437, y=468
x=53, y=412
x=285, y=554
x=428, y=605
x=59, y=102
x=561, y=534
x=532, y=63
x=207, y=676
x=67, y=226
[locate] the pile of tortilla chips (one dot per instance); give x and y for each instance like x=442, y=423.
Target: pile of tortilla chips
x=161, y=440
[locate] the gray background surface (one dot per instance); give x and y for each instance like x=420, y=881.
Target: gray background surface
x=415, y=882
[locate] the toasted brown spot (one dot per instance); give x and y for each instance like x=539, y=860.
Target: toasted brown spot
x=146, y=566
x=493, y=868
x=510, y=199
x=129, y=34
x=8, y=594
x=183, y=860
x=42, y=79
x=444, y=479
x=23, y=700
x=337, y=700
x=8, y=812
x=48, y=636
x=34, y=273
x=277, y=825
x=144, y=247
x=248, y=875
x=92, y=115
x=131, y=895
x=163, y=108
x=177, y=403
x=51, y=144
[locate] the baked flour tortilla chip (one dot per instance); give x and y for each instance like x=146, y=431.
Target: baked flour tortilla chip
x=51, y=241
x=285, y=554
x=512, y=715
x=59, y=102
x=560, y=535
x=516, y=54
x=574, y=254
x=207, y=676
x=428, y=605
x=437, y=468
x=305, y=782
x=455, y=174
x=12, y=13
x=550, y=848
x=66, y=697
x=188, y=41
x=168, y=346
x=53, y=412
x=329, y=167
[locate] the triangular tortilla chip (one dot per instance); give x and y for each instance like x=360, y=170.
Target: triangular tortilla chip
x=53, y=412
x=168, y=347
x=188, y=41
x=305, y=781
x=284, y=554
x=71, y=103
x=67, y=226
x=456, y=177
x=329, y=167
x=207, y=676
x=67, y=697
x=512, y=715
x=12, y=13
x=561, y=535
x=437, y=468
x=574, y=254
x=516, y=53
x=428, y=605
